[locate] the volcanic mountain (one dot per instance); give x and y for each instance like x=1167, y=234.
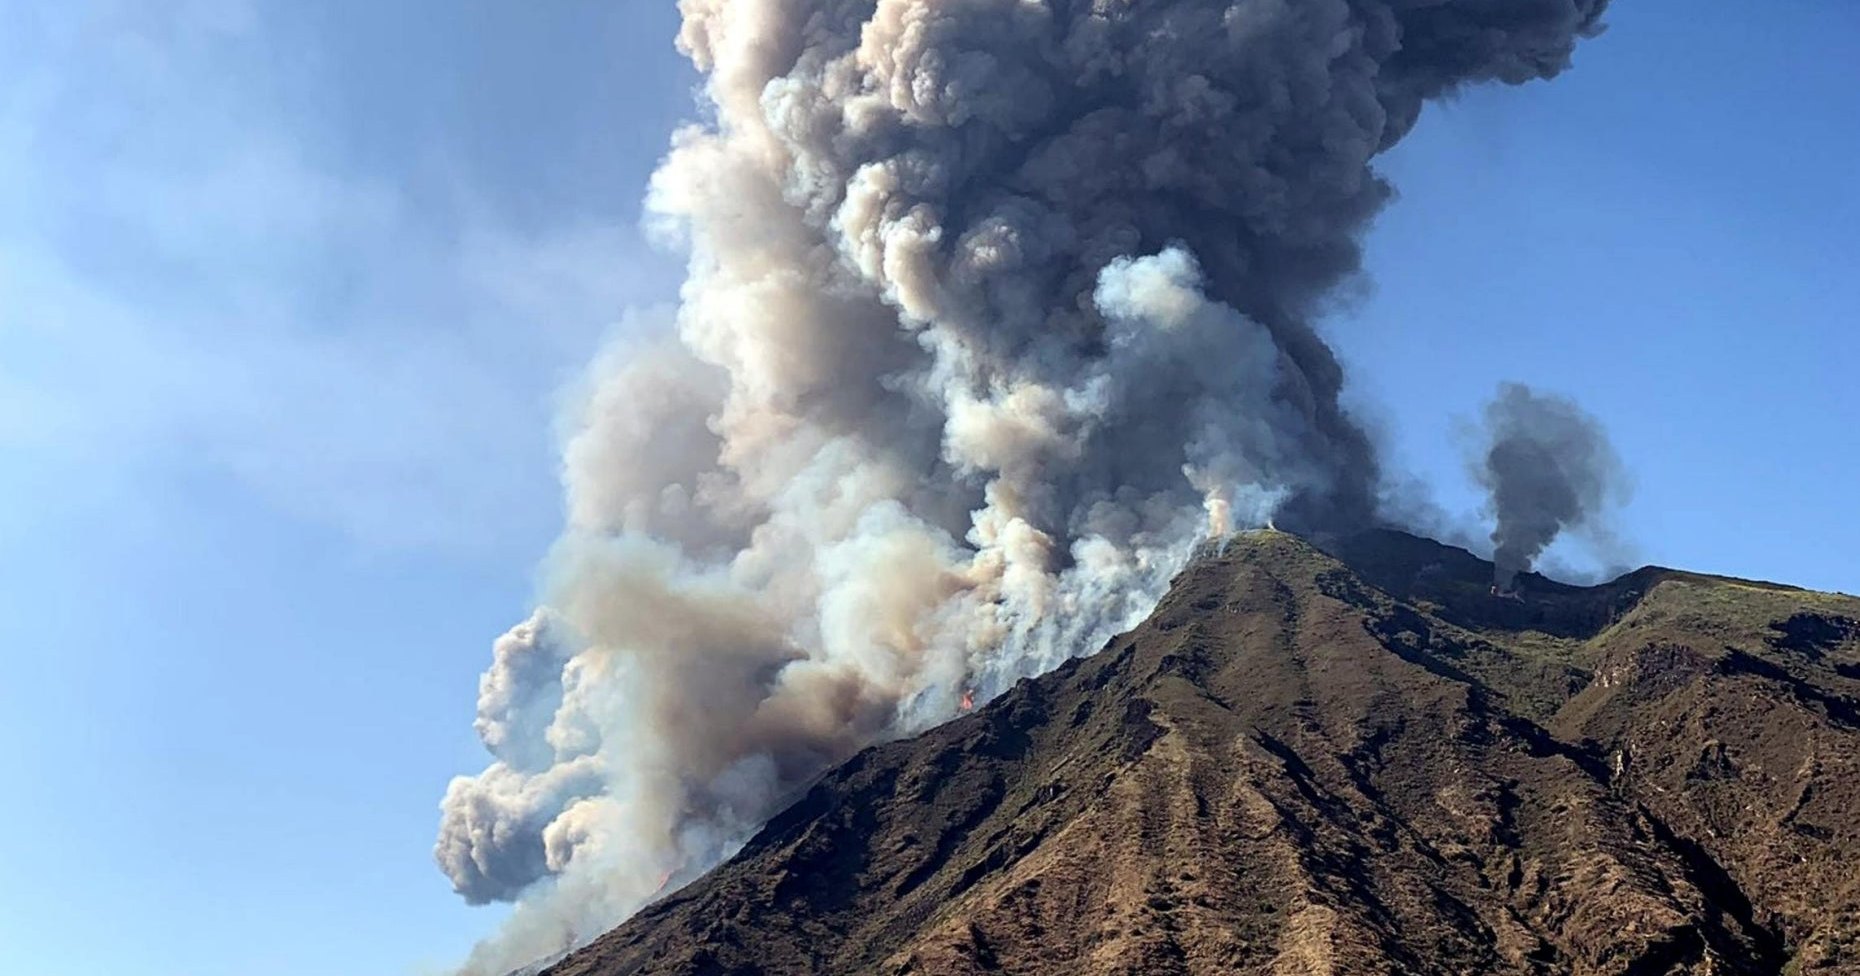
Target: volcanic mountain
x=1354, y=761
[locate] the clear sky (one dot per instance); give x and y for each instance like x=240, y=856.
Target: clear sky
x=288, y=290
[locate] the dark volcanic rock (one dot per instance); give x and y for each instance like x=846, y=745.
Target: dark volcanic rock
x=1360, y=763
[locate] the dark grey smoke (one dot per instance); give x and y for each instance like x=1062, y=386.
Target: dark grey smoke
x=1548, y=467
x=995, y=308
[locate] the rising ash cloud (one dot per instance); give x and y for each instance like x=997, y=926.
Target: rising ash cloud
x=994, y=308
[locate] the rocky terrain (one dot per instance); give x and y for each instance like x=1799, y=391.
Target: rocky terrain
x=1338, y=763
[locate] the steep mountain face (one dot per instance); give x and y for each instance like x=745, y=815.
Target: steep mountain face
x=1359, y=762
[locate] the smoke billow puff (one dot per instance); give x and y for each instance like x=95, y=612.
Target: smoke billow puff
x=1547, y=467
x=994, y=308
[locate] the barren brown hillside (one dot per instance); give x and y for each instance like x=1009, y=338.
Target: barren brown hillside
x=1307, y=763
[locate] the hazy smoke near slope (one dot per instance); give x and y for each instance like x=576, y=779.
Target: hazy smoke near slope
x=1548, y=467
x=995, y=308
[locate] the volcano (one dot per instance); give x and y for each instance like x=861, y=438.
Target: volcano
x=1339, y=760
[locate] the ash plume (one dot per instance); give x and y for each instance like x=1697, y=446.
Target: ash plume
x=1547, y=467
x=994, y=309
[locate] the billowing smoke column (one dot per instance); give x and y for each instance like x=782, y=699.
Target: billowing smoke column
x=995, y=308
x=1548, y=467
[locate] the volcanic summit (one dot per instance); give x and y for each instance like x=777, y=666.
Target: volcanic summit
x=1340, y=762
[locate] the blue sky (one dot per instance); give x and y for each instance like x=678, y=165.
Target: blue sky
x=288, y=291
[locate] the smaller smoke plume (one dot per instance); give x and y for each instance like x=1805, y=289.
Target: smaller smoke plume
x=1548, y=467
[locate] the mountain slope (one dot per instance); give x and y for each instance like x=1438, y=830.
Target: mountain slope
x=1349, y=763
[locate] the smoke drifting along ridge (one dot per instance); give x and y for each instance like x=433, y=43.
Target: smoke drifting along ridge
x=1548, y=467
x=994, y=309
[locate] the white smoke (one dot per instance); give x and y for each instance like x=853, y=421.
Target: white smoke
x=994, y=309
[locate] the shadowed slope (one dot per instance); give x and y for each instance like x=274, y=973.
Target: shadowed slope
x=1363, y=763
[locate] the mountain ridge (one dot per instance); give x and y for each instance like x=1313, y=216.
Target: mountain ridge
x=1353, y=761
